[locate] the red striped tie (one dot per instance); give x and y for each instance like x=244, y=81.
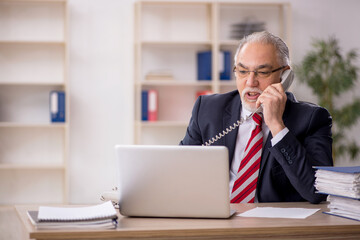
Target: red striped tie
x=245, y=184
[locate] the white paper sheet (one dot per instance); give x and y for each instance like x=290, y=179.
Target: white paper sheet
x=273, y=212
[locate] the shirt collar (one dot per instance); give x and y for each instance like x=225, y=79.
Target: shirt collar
x=245, y=112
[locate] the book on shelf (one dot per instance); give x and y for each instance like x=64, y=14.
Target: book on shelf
x=91, y=217
x=149, y=105
x=57, y=106
x=153, y=105
x=342, y=184
x=144, y=105
x=225, y=65
x=163, y=75
x=204, y=67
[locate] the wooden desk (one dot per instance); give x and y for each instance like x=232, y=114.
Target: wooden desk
x=317, y=226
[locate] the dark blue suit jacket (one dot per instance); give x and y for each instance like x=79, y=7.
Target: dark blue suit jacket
x=286, y=173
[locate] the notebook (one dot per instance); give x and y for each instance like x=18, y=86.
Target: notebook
x=173, y=181
x=96, y=216
x=95, y=212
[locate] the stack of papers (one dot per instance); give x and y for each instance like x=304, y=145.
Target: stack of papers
x=274, y=212
x=159, y=75
x=98, y=216
x=344, y=207
x=248, y=26
x=343, y=186
x=343, y=181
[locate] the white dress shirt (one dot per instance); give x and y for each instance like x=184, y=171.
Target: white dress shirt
x=243, y=137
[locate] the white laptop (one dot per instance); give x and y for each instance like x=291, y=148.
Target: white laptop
x=173, y=181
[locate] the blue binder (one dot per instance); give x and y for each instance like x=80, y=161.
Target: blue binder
x=144, y=105
x=204, y=66
x=350, y=169
x=57, y=106
x=226, y=68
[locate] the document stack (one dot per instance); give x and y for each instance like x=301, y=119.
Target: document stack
x=247, y=27
x=157, y=75
x=343, y=186
x=102, y=216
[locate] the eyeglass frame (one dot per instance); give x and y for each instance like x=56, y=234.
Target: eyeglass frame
x=256, y=72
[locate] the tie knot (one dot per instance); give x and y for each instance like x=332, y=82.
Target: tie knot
x=257, y=118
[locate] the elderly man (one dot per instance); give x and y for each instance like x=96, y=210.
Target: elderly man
x=272, y=154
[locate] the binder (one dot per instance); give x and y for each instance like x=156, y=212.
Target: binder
x=57, y=106
x=342, y=184
x=204, y=68
x=152, y=105
x=144, y=105
x=340, y=181
x=350, y=169
x=225, y=65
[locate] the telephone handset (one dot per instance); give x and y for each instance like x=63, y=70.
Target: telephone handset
x=287, y=78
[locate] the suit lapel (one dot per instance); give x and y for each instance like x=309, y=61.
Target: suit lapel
x=231, y=115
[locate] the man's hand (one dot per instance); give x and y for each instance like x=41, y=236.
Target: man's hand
x=273, y=100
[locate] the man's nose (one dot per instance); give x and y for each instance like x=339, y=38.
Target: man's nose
x=252, y=79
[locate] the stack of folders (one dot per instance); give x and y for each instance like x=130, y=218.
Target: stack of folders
x=102, y=216
x=343, y=186
x=249, y=26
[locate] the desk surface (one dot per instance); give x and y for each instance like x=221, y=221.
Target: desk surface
x=317, y=226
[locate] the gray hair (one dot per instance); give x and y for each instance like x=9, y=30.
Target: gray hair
x=267, y=38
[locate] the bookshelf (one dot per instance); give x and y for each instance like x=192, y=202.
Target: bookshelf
x=168, y=36
x=33, y=62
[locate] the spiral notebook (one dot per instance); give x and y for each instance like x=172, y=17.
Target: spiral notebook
x=98, y=216
x=96, y=212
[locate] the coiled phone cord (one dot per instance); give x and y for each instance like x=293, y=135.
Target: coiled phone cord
x=230, y=128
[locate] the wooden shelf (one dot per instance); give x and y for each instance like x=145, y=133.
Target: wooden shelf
x=42, y=42
x=33, y=41
x=234, y=43
x=162, y=124
x=32, y=125
x=177, y=43
x=31, y=167
x=176, y=83
x=32, y=84
x=35, y=1
x=168, y=37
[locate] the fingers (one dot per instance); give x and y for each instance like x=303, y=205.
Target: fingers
x=274, y=92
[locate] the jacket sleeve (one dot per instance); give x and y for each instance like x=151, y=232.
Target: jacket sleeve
x=298, y=158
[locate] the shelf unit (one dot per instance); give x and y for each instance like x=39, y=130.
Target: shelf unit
x=168, y=36
x=33, y=62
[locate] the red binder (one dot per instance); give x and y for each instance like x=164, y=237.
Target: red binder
x=152, y=105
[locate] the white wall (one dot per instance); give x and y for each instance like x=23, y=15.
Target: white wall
x=101, y=75
x=101, y=92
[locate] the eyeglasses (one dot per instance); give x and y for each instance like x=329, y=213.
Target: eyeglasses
x=260, y=74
